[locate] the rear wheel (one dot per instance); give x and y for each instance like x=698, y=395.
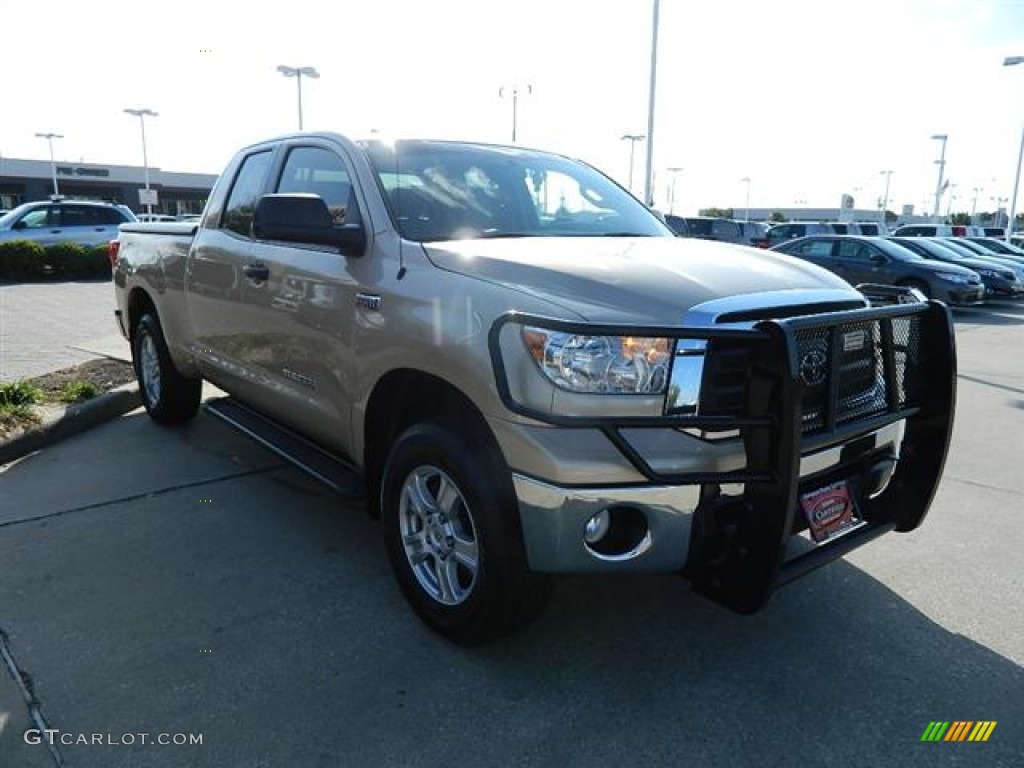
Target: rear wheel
x=169, y=397
x=453, y=536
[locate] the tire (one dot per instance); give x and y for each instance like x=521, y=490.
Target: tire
x=460, y=561
x=169, y=397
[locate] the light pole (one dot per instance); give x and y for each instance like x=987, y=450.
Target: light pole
x=952, y=197
x=632, y=138
x=649, y=174
x=974, y=202
x=885, y=196
x=298, y=73
x=1011, y=61
x=941, y=162
x=746, y=180
x=675, y=171
x=142, y=114
x=53, y=165
x=999, y=202
x=515, y=103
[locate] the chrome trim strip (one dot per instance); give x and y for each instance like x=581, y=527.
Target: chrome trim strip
x=822, y=460
x=553, y=520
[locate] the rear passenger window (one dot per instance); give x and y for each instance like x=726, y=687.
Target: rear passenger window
x=820, y=249
x=320, y=172
x=246, y=191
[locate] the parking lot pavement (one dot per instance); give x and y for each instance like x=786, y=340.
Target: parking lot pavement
x=42, y=323
x=180, y=581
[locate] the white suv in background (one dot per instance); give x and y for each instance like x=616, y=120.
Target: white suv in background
x=77, y=221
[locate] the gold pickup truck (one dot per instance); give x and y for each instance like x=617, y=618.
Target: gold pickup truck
x=525, y=373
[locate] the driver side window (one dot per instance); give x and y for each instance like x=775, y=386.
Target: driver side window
x=319, y=171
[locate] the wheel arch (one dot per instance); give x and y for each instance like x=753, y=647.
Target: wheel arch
x=406, y=396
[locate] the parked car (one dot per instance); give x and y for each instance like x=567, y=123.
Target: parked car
x=708, y=228
x=523, y=387
x=780, y=233
x=937, y=230
x=877, y=260
x=999, y=278
x=873, y=228
x=998, y=246
x=847, y=228
x=999, y=232
x=151, y=217
x=77, y=221
x=981, y=250
x=753, y=231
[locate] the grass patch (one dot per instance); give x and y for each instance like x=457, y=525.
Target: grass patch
x=19, y=393
x=16, y=402
x=77, y=391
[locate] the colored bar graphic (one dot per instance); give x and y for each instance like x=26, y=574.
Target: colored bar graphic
x=982, y=730
x=958, y=730
x=935, y=730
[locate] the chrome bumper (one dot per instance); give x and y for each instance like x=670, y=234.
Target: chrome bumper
x=554, y=518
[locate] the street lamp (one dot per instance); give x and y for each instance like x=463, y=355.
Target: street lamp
x=675, y=171
x=299, y=73
x=885, y=197
x=53, y=165
x=142, y=114
x=515, y=103
x=632, y=138
x=974, y=202
x=1011, y=61
x=746, y=180
x=649, y=174
x=941, y=162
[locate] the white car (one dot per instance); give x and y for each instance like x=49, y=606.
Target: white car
x=78, y=221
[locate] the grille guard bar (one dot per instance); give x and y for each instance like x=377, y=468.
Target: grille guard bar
x=739, y=564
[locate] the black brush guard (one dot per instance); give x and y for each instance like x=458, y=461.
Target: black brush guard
x=738, y=544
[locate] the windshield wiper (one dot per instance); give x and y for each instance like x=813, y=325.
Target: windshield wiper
x=493, y=235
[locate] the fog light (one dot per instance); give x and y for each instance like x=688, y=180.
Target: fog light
x=597, y=527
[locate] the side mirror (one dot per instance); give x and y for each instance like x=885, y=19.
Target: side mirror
x=304, y=218
x=19, y=224
x=878, y=259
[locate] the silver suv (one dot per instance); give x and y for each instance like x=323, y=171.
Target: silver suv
x=48, y=223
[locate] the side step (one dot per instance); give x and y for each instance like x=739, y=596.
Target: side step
x=341, y=477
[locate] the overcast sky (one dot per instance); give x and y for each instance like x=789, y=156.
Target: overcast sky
x=807, y=98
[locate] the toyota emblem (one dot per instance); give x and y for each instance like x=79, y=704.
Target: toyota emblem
x=813, y=367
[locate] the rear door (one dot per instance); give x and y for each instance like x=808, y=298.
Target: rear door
x=860, y=262
x=224, y=283
x=88, y=225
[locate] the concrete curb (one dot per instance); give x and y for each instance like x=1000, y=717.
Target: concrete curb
x=77, y=418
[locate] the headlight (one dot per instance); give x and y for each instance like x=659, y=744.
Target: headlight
x=611, y=365
x=951, y=278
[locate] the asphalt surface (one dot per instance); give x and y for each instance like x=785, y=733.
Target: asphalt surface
x=182, y=581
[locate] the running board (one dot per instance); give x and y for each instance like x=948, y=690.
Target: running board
x=341, y=477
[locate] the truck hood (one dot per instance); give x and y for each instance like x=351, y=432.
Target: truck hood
x=641, y=279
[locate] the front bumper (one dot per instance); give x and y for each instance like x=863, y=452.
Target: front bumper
x=732, y=530
x=965, y=296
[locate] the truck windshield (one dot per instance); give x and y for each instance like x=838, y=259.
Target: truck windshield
x=450, y=191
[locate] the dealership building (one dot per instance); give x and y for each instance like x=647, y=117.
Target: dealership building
x=25, y=181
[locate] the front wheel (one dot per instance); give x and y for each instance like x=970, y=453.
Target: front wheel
x=169, y=397
x=453, y=537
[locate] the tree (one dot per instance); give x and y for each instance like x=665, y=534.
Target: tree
x=776, y=217
x=960, y=218
x=890, y=217
x=720, y=213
